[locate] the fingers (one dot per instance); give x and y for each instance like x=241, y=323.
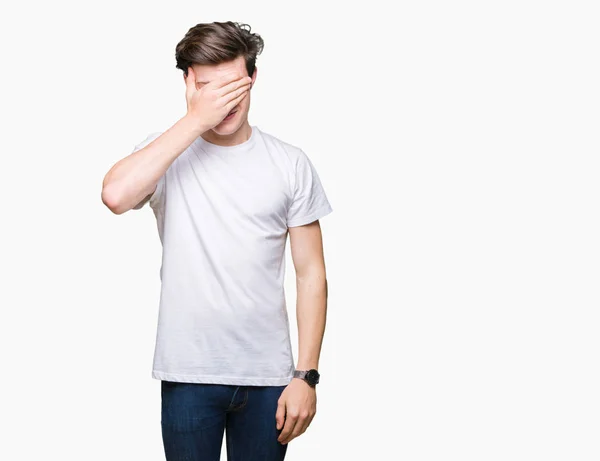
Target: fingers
x=296, y=423
x=303, y=422
x=280, y=414
x=310, y=418
x=299, y=429
x=226, y=79
x=241, y=94
x=290, y=423
x=190, y=81
x=235, y=85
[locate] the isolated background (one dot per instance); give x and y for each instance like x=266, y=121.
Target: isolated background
x=458, y=144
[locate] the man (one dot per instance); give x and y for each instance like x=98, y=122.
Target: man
x=226, y=195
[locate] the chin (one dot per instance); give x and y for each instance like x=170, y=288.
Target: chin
x=229, y=127
x=225, y=130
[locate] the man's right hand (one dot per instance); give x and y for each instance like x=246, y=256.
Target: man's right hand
x=210, y=104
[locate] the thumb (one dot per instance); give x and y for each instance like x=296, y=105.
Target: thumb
x=190, y=81
x=280, y=415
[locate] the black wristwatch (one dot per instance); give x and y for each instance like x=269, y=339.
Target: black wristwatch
x=311, y=376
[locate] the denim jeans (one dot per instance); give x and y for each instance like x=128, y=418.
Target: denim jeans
x=195, y=416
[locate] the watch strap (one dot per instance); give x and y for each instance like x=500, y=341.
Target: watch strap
x=300, y=373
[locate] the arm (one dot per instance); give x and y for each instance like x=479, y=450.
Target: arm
x=311, y=288
x=133, y=179
x=130, y=182
x=297, y=404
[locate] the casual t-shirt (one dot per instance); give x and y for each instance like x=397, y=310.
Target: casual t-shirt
x=223, y=214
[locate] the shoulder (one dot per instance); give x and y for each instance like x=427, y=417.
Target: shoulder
x=292, y=153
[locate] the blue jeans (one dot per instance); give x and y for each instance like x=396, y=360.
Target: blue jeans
x=195, y=416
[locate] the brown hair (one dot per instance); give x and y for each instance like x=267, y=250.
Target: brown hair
x=217, y=42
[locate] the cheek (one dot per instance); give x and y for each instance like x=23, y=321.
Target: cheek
x=243, y=105
x=246, y=101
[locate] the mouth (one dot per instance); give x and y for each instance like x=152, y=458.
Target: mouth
x=230, y=114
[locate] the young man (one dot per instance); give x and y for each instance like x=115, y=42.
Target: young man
x=225, y=195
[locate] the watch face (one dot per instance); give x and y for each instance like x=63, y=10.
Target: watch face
x=312, y=376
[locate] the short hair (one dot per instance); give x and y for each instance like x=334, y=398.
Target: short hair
x=217, y=42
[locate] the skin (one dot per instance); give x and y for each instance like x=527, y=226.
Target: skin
x=130, y=182
x=297, y=404
x=212, y=92
x=236, y=130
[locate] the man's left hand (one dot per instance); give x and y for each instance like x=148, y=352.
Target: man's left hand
x=296, y=409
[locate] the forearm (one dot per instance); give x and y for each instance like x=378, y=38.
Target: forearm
x=134, y=177
x=311, y=313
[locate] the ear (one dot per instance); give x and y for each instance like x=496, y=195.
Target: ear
x=254, y=76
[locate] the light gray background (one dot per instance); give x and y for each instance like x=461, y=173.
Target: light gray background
x=458, y=144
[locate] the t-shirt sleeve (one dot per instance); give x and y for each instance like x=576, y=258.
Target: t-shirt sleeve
x=309, y=201
x=156, y=197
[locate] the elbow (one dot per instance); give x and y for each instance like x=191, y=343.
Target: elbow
x=113, y=199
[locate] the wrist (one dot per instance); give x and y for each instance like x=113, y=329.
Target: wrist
x=194, y=124
x=310, y=376
x=305, y=382
x=307, y=364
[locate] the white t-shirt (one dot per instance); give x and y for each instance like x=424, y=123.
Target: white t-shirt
x=223, y=214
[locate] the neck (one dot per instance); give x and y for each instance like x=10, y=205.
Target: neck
x=241, y=135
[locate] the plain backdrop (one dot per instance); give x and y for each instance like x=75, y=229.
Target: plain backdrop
x=458, y=144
